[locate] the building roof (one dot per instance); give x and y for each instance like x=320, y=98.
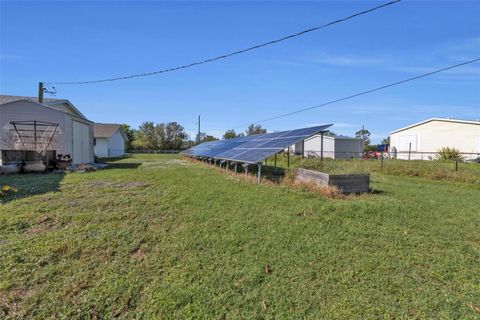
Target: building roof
x=106, y=130
x=438, y=119
x=47, y=102
x=8, y=98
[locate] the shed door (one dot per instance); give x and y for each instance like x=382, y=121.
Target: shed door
x=81, y=143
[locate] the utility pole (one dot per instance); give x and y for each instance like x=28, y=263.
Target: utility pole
x=198, y=134
x=40, y=92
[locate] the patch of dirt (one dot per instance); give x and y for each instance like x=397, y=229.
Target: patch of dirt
x=179, y=162
x=99, y=184
x=11, y=303
x=165, y=164
x=475, y=244
x=118, y=185
x=139, y=254
x=305, y=213
x=131, y=184
x=42, y=225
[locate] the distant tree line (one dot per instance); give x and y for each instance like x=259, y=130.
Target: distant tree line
x=172, y=136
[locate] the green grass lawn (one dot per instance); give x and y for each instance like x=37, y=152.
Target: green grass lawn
x=157, y=237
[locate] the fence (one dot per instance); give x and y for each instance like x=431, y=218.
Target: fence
x=156, y=151
x=400, y=155
x=464, y=169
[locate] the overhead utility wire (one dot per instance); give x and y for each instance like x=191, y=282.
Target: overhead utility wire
x=362, y=93
x=229, y=54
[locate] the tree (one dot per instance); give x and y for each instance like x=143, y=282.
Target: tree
x=146, y=136
x=329, y=133
x=363, y=134
x=130, y=133
x=386, y=140
x=255, y=129
x=230, y=134
x=162, y=136
x=170, y=135
x=205, y=138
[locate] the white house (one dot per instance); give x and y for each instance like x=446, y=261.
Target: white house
x=422, y=140
x=110, y=140
x=73, y=131
x=335, y=147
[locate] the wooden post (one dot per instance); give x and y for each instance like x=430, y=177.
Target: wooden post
x=40, y=92
x=303, y=149
x=381, y=155
x=235, y=167
x=409, y=150
x=246, y=168
x=456, y=165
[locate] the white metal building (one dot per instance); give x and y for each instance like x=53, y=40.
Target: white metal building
x=110, y=140
x=421, y=141
x=75, y=135
x=335, y=147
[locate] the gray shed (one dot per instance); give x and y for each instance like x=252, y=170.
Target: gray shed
x=335, y=147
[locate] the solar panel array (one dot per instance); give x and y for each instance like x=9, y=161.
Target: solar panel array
x=253, y=149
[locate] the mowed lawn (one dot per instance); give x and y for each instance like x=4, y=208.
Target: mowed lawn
x=158, y=237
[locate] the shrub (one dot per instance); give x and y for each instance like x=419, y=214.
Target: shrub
x=447, y=153
x=5, y=190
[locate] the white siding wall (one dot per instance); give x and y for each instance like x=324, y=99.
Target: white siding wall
x=332, y=147
x=81, y=143
x=427, y=138
x=116, y=145
x=101, y=147
x=28, y=111
x=313, y=147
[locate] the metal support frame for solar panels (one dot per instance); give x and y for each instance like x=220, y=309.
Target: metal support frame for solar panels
x=288, y=157
x=254, y=149
x=275, y=165
x=259, y=174
x=321, y=147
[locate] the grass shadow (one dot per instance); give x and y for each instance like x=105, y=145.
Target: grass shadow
x=113, y=163
x=112, y=159
x=29, y=184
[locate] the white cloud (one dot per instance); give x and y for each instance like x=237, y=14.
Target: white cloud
x=344, y=60
x=5, y=57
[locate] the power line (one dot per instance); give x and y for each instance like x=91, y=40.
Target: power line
x=232, y=53
x=362, y=93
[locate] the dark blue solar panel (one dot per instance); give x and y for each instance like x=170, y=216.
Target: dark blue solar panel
x=253, y=149
x=254, y=155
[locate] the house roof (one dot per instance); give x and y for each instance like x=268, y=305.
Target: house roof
x=106, y=130
x=437, y=119
x=48, y=102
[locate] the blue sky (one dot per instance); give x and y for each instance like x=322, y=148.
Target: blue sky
x=70, y=41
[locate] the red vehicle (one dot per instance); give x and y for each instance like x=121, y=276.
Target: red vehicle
x=371, y=155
